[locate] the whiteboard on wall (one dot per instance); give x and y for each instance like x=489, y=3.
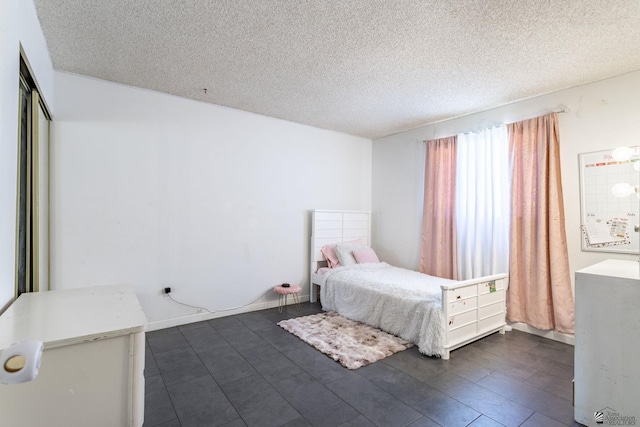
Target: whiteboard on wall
x=608, y=222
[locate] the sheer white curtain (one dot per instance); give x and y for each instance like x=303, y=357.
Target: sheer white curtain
x=483, y=203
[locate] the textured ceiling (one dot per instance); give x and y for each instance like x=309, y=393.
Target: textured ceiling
x=363, y=67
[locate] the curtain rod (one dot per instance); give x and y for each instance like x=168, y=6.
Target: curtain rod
x=563, y=109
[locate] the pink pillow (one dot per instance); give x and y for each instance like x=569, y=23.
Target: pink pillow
x=366, y=255
x=329, y=253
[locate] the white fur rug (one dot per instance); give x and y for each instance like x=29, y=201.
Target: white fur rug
x=352, y=344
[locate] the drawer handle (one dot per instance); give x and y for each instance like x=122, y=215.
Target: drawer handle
x=451, y=320
x=458, y=297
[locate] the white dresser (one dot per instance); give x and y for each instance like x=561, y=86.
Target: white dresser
x=92, y=371
x=474, y=310
x=607, y=344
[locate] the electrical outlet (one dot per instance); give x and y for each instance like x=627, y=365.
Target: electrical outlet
x=166, y=290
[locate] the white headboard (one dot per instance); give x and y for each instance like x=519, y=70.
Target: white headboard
x=334, y=227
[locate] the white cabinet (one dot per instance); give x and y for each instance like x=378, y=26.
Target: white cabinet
x=92, y=371
x=607, y=344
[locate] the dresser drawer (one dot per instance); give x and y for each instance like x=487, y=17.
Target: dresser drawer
x=462, y=293
x=490, y=310
x=491, y=298
x=462, y=333
x=462, y=305
x=490, y=287
x=495, y=321
x=462, y=319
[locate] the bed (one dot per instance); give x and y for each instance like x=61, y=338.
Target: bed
x=437, y=314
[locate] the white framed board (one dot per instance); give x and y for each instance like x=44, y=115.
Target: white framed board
x=608, y=222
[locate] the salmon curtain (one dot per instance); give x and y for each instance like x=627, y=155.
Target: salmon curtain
x=539, y=292
x=438, y=255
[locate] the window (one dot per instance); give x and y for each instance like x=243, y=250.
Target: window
x=32, y=233
x=483, y=202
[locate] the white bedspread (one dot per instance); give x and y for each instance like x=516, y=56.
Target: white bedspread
x=402, y=302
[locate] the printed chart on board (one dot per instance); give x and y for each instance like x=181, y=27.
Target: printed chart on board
x=610, y=203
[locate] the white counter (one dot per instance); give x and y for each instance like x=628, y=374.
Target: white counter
x=72, y=316
x=92, y=370
x=614, y=268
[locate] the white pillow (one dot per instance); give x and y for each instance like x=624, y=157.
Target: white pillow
x=345, y=255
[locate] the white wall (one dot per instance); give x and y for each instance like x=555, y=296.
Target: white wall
x=155, y=190
x=19, y=26
x=603, y=115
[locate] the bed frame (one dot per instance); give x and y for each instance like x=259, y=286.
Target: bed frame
x=472, y=308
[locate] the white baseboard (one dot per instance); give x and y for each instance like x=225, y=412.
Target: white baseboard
x=204, y=315
x=552, y=335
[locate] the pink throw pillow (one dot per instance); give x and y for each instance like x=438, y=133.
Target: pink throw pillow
x=364, y=256
x=329, y=252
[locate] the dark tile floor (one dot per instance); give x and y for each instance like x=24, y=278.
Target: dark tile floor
x=245, y=370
